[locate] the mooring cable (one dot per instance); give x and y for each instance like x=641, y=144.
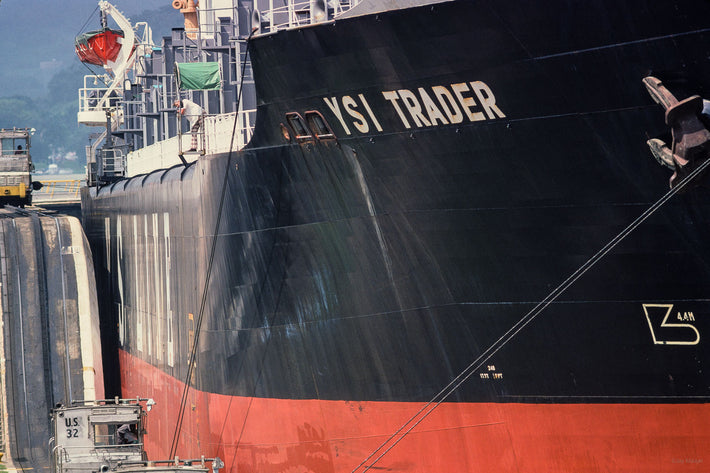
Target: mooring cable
x=442, y=395
x=78, y=33
x=210, y=264
x=87, y=20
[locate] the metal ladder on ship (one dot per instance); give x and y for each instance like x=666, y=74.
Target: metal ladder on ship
x=200, y=141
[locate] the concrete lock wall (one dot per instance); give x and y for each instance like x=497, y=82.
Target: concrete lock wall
x=50, y=351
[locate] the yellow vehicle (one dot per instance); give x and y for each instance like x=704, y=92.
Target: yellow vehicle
x=15, y=166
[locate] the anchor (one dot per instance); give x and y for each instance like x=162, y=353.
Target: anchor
x=691, y=139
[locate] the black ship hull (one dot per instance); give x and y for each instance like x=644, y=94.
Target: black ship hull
x=482, y=153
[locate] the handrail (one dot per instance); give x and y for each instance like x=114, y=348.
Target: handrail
x=208, y=23
x=300, y=13
x=212, y=135
x=58, y=190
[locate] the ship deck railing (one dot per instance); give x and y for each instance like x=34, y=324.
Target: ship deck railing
x=94, y=99
x=215, y=137
x=300, y=13
x=218, y=130
x=208, y=24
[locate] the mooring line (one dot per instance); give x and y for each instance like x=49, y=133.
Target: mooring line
x=442, y=395
x=203, y=300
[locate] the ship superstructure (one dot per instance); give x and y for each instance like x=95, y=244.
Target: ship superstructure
x=418, y=236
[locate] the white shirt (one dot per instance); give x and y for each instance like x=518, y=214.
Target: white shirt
x=192, y=111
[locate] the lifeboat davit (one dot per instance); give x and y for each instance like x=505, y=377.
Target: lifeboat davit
x=98, y=47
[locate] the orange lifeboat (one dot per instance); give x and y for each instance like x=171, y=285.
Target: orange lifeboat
x=98, y=47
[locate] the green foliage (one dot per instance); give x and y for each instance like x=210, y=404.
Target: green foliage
x=64, y=84
x=50, y=106
x=54, y=118
x=16, y=112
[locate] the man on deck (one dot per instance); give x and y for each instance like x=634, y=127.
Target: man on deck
x=194, y=115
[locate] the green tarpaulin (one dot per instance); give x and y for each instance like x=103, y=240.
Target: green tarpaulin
x=198, y=75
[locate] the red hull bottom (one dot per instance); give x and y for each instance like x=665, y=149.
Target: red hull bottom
x=277, y=435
